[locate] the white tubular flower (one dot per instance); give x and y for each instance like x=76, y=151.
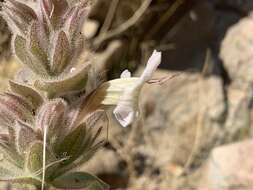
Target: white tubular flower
x=123, y=92
x=127, y=108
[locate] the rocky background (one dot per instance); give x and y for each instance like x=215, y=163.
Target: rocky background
x=196, y=131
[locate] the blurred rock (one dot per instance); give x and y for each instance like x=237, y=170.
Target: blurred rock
x=230, y=167
x=8, y=68
x=184, y=106
x=237, y=51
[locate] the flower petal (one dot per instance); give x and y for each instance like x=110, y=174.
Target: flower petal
x=127, y=108
x=125, y=115
x=125, y=74
x=153, y=62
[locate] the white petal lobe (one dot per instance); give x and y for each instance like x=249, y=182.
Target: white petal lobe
x=125, y=74
x=153, y=62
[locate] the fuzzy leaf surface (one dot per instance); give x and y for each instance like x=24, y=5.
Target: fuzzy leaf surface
x=78, y=180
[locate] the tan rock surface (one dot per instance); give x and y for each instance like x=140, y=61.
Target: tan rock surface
x=230, y=167
x=8, y=68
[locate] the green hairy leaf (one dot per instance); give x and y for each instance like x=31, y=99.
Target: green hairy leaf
x=78, y=180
